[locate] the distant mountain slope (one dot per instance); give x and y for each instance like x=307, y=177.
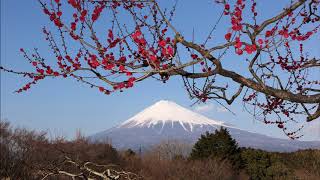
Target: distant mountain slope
x=166, y=120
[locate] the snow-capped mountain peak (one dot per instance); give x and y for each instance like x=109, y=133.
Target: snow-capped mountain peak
x=168, y=112
x=166, y=120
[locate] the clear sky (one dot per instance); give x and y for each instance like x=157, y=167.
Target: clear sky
x=61, y=106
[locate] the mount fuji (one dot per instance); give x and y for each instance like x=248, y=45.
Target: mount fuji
x=166, y=120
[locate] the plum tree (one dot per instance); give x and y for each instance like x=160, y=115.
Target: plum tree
x=97, y=40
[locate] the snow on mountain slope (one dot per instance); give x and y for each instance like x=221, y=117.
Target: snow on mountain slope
x=167, y=112
x=166, y=120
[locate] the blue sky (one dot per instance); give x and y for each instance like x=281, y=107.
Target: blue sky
x=61, y=106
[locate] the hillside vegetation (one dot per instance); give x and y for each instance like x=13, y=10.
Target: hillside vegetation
x=28, y=154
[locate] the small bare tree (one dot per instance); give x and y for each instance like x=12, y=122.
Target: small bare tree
x=88, y=171
x=172, y=148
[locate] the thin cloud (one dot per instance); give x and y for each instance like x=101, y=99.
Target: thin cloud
x=202, y=108
x=221, y=109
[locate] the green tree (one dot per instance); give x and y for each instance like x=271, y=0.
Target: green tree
x=279, y=171
x=262, y=165
x=219, y=144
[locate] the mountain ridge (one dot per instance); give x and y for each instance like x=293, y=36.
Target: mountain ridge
x=167, y=120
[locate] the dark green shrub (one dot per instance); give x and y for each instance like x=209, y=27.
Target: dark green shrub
x=262, y=165
x=220, y=145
